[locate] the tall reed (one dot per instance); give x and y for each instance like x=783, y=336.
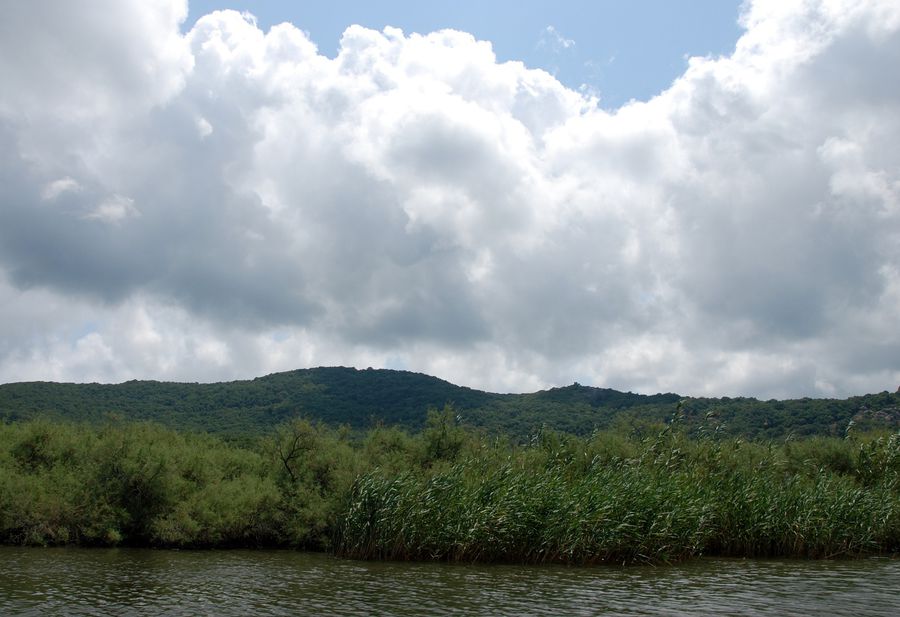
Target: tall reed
x=452, y=494
x=674, y=499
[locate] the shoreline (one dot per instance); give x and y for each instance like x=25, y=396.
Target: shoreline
x=450, y=494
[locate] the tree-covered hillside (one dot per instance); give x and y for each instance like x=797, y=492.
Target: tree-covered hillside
x=334, y=395
x=363, y=398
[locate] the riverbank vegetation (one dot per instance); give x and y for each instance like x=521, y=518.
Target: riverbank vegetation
x=452, y=493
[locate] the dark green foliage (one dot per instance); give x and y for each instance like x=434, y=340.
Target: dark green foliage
x=334, y=395
x=367, y=398
x=452, y=493
x=443, y=438
x=139, y=483
x=565, y=499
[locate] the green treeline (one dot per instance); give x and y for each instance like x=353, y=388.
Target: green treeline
x=451, y=493
x=364, y=398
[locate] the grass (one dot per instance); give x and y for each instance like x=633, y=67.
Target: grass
x=670, y=500
x=451, y=494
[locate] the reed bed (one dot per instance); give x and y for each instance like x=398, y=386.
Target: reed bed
x=452, y=494
x=675, y=500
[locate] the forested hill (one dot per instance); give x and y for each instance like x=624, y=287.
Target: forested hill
x=362, y=398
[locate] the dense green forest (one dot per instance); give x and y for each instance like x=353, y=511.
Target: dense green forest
x=451, y=493
x=362, y=399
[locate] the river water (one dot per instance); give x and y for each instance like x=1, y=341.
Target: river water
x=71, y=581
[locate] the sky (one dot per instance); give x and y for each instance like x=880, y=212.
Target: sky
x=701, y=198
x=616, y=51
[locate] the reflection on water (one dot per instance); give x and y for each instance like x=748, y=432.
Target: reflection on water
x=146, y=582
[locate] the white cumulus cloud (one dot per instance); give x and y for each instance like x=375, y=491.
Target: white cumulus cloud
x=114, y=209
x=415, y=203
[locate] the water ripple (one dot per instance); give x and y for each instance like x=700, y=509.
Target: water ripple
x=46, y=582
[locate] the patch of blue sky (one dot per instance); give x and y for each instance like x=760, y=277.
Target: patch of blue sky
x=618, y=50
x=279, y=336
x=397, y=363
x=84, y=329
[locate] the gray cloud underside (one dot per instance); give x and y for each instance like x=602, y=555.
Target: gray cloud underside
x=228, y=202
